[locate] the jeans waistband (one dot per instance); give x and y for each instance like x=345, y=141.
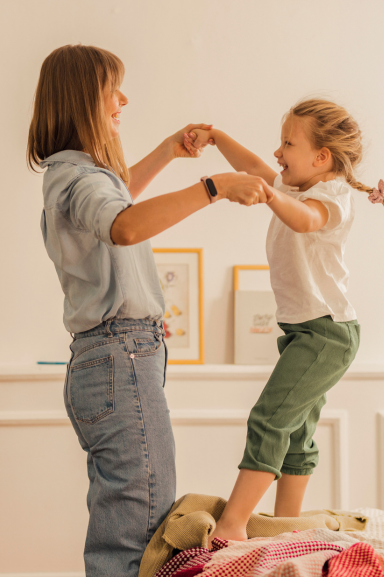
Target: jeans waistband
x=115, y=326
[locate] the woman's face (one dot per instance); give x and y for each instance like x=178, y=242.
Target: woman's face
x=113, y=103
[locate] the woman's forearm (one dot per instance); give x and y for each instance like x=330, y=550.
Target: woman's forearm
x=307, y=216
x=146, y=219
x=142, y=173
x=241, y=158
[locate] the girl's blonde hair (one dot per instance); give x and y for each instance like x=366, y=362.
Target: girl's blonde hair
x=331, y=126
x=69, y=107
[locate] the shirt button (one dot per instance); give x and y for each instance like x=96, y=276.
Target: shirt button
x=132, y=356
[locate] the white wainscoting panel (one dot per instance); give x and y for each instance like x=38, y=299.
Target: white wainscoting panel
x=43, y=496
x=210, y=444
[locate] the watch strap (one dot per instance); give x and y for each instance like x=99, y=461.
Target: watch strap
x=209, y=186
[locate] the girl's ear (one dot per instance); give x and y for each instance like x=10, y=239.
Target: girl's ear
x=322, y=157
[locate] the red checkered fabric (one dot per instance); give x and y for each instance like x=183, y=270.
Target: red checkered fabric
x=191, y=572
x=360, y=560
x=254, y=557
x=183, y=564
x=273, y=558
x=185, y=561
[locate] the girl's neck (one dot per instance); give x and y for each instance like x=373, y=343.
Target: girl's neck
x=324, y=177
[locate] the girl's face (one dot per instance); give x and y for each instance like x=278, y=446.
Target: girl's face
x=113, y=103
x=300, y=162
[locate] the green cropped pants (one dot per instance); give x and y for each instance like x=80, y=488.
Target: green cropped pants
x=314, y=355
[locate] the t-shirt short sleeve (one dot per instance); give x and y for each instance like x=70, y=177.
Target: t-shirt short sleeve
x=94, y=204
x=338, y=209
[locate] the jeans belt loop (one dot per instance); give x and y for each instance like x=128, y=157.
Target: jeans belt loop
x=160, y=327
x=107, y=328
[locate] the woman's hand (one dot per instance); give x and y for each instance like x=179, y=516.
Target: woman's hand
x=242, y=188
x=177, y=146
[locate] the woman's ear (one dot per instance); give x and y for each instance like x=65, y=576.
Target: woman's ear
x=322, y=157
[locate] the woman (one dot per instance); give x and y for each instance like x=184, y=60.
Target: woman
x=98, y=240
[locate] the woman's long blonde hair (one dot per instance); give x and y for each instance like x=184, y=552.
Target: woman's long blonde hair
x=332, y=127
x=69, y=107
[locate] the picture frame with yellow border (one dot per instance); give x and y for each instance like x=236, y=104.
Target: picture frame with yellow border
x=181, y=278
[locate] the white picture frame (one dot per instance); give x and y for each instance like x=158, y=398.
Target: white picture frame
x=256, y=329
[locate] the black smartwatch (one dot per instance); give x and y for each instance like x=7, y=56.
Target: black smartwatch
x=210, y=186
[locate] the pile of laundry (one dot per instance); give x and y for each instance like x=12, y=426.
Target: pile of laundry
x=318, y=544
x=303, y=554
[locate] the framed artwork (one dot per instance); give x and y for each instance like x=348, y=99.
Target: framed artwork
x=181, y=278
x=256, y=329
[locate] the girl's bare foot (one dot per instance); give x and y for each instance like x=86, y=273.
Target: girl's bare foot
x=228, y=532
x=247, y=492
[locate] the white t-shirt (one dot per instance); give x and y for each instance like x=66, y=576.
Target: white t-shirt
x=308, y=273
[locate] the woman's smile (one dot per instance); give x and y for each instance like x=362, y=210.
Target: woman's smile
x=113, y=103
x=116, y=116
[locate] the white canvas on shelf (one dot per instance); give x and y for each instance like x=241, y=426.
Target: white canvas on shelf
x=256, y=329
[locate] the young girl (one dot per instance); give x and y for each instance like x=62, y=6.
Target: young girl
x=313, y=212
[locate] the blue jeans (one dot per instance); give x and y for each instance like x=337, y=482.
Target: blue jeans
x=115, y=399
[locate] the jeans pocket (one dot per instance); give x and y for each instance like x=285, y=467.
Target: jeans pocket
x=91, y=389
x=145, y=345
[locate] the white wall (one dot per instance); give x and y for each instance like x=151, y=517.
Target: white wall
x=238, y=64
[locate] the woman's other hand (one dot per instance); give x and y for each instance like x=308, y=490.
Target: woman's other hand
x=177, y=145
x=242, y=188
x=198, y=139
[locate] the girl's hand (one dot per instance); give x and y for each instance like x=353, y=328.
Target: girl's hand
x=177, y=146
x=198, y=139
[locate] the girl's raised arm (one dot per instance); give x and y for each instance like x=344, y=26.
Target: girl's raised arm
x=237, y=155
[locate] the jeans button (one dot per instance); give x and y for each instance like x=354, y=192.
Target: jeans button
x=131, y=356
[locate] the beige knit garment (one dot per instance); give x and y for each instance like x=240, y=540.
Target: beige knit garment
x=193, y=517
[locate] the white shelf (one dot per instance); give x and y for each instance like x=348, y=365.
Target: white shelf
x=358, y=371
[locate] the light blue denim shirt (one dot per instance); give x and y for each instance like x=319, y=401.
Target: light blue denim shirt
x=100, y=280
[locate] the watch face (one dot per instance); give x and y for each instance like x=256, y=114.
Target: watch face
x=211, y=187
